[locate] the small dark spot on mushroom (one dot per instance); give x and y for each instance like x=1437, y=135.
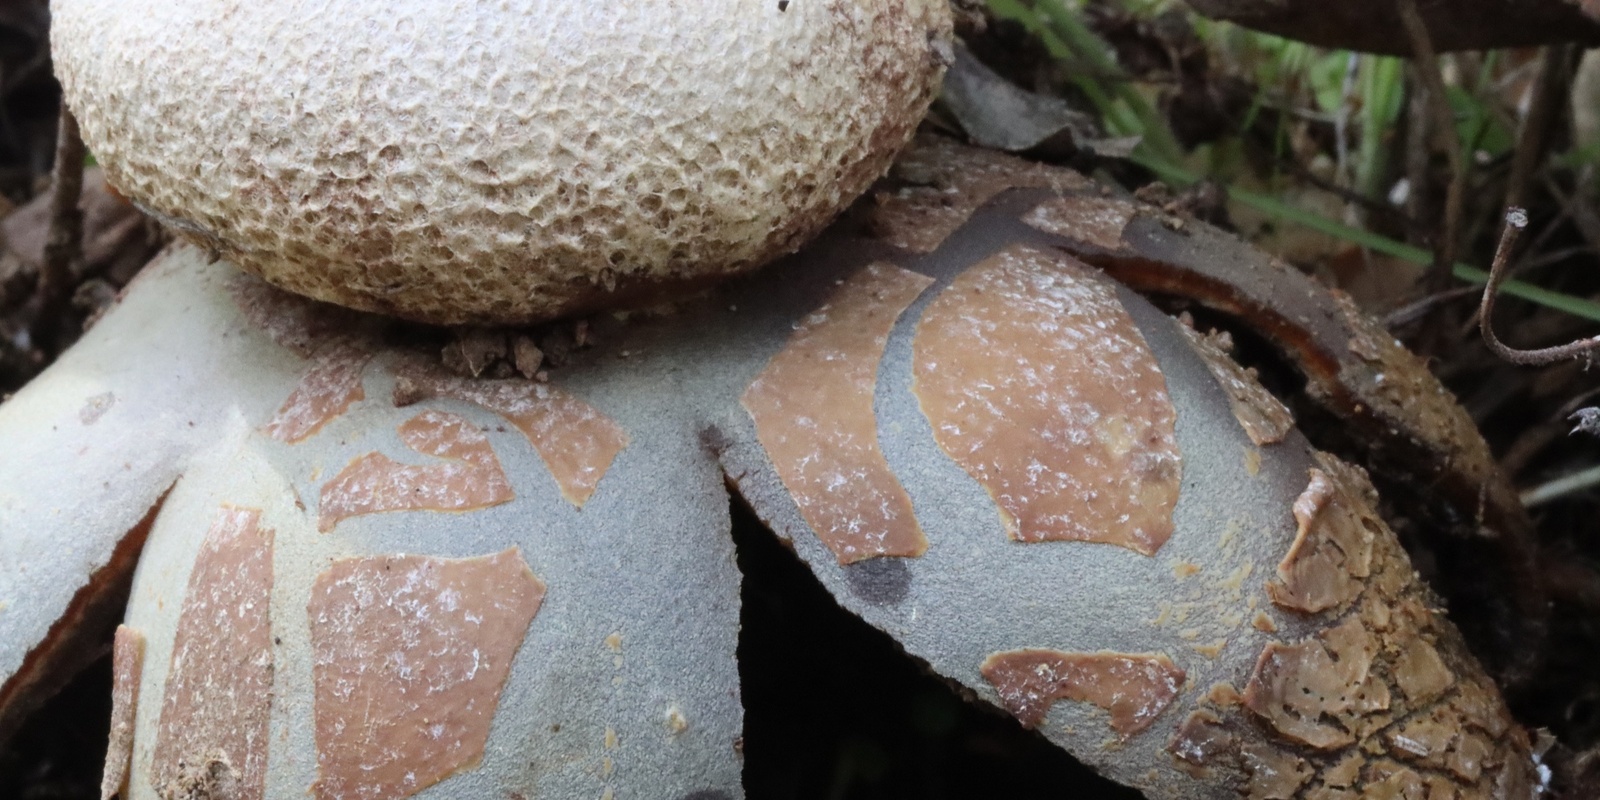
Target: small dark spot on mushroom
x=783, y=5
x=879, y=581
x=715, y=440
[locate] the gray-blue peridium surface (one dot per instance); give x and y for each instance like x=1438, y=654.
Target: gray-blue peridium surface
x=648, y=557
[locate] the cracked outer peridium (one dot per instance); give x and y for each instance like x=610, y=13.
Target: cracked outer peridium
x=410, y=653
x=470, y=477
x=1199, y=602
x=812, y=408
x=1383, y=699
x=214, y=712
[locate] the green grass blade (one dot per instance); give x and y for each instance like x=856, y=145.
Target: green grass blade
x=1278, y=209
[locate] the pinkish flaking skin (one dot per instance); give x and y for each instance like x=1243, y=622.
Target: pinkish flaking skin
x=410, y=654
x=576, y=441
x=1134, y=688
x=812, y=408
x=1097, y=221
x=469, y=479
x=127, y=668
x=1023, y=368
x=214, y=717
x=327, y=390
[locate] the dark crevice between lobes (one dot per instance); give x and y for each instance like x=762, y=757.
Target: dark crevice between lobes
x=81, y=634
x=836, y=706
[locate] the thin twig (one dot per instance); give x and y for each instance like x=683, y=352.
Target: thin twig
x=1426, y=62
x=1341, y=118
x=1413, y=311
x=1516, y=220
x=1544, y=110
x=1561, y=487
x=64, y=243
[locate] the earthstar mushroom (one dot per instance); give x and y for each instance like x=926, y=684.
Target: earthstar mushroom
x=1189, y=597
x=362, y=576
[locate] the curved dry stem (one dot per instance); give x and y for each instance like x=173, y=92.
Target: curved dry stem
x=1516, y=220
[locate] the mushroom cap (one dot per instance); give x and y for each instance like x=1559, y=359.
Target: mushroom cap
x=457, y=161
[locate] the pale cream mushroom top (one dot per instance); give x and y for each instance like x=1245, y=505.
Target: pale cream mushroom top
x=458, y=161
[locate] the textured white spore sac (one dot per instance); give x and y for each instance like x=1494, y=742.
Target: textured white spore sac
x=456, y=161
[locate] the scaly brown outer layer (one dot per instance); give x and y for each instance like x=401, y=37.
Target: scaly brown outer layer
x=384, y=578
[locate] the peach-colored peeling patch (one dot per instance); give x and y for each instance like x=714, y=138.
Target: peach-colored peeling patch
x=1278, y=773
x=576, y=441
x=1332, y=551
x=213, y=731
x=409, y=656
x=471, y=478
x=1098, y=221
x=1134, y=688
x=327, y=390
x=1200, y=741
x=127, y=667
x=1420, y=672
x=812, y=408
x=1037, y=382
x=1263, y=417
x=1320, y=692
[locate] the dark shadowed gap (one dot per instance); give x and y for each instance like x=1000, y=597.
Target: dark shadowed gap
x=58, y=752
x=835, y=709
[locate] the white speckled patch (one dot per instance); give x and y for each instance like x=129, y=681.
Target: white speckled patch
x=213, y=732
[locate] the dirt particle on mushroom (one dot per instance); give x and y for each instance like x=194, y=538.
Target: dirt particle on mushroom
x=676, y=722
x=96, y=407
